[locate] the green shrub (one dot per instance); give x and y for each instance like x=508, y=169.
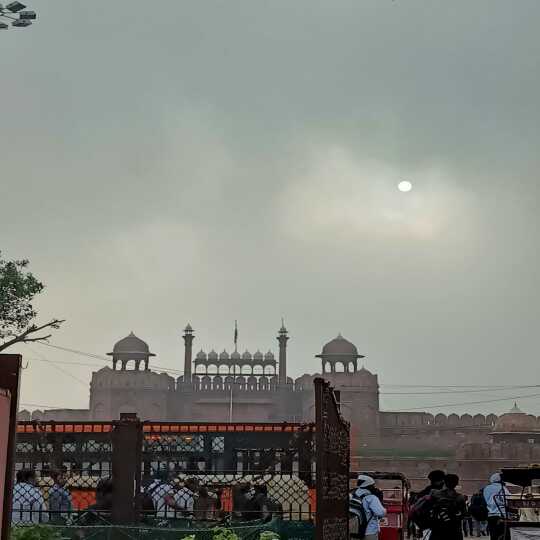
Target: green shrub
x=220, y=533
x=269, y=535
x=35, y=532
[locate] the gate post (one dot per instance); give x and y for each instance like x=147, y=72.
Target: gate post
x=332, y=437
x=126, y=468
x=10, y=368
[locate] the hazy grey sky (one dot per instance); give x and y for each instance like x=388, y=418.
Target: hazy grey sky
x=208, y=161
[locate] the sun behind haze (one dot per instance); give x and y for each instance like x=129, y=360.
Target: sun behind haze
x=211, y=161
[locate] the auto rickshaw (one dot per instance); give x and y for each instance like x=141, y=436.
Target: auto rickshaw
x=395, y=488
x=524, y=507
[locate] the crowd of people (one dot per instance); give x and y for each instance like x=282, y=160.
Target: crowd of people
x=165, y=497
x=29, y=505
x=168, y=497
x=438, y=512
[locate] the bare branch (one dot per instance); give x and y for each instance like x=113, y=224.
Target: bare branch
x=42, y=338
x=23, y=338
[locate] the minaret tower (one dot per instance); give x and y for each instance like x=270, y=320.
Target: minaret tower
x=283, y=337
x=188, y=352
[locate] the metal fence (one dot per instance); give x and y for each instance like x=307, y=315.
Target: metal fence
x=180, y=473
x=186, y=475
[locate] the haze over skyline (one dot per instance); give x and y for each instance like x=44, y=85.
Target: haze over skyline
x=211, y=161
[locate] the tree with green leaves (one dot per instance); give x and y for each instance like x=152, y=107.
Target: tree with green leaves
x=18, y=287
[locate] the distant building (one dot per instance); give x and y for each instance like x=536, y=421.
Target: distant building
x=246, y=387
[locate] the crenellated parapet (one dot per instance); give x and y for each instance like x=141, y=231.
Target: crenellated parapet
x=107, y=379
x=419, y=419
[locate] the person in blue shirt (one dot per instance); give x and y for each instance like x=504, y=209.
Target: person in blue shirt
x=373, y=508
x=60, y=504
x=495, y=495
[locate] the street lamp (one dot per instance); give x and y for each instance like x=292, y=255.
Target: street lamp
x=16, y=13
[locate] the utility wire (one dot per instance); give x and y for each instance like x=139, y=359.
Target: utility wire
x=344, y=387
x=470, y=388
x=508, y=398
x=99, y=357
x=41, y=405
x=53, y=364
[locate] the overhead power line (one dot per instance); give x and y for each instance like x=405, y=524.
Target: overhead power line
x=43, y=406
x=451, y=388
x=344, y=388
x=53, y=364
x=103, y=358
x=508, y=398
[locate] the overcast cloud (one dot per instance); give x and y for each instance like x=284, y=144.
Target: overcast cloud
x=209, y=161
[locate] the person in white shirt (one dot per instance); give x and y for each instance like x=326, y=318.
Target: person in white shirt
x=162, y=494
x=373, y=507
x=184, y=498
x=495, y=495
x=28, y=502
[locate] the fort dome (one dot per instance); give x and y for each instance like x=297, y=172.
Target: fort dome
x=515, y=420
x=131, y=345
x=339, y=346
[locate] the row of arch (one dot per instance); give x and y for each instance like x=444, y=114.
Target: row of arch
x=235, y=357
x=340, y=366
x=240, y=369
x=251, y=383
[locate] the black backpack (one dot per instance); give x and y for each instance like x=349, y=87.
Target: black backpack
x=478, y=506
x=358, y=519
x=446, y=511
x=421, y=512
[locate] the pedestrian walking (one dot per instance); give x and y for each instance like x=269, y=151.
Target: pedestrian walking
x=365, y=503
x=448, y=511
x=467, y=519
x=479, y=513
x=495, y=495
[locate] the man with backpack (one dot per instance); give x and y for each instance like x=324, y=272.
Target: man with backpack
x=448, y=510
x=440, y=513
x=420, y=512
x=365, y=510
x=495, y=495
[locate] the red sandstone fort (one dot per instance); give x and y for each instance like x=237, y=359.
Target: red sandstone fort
x=248, y=387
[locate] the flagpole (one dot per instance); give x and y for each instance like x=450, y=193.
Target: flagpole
x=230, y=405
x=234, y=371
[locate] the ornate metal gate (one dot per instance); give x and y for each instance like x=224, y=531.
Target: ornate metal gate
x=333, y=459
